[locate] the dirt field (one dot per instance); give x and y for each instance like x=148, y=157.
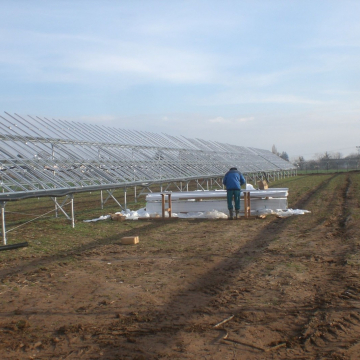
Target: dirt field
x=285, y=288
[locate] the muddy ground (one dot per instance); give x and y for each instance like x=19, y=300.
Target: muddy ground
x=283, y=288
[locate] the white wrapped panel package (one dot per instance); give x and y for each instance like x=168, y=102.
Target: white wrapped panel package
x=192, y=201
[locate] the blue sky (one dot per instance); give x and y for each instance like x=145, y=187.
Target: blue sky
x=251, y=73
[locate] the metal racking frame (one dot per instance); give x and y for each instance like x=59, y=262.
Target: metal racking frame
x=55, y=158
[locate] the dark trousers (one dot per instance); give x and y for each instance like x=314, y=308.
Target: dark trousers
x=233, y=194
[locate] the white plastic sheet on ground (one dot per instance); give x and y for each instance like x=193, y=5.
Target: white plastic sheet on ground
x=103, y=217
x=291, y=212
x=134, y=215
x=213, y=214
x=283, y=213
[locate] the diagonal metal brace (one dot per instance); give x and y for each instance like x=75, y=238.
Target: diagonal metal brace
x=110, y=192
x=60, y=206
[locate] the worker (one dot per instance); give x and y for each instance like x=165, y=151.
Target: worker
x=233, y=180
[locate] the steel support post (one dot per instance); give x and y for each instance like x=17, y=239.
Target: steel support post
x=3, y=229
x=102, y=200
x=135, y=197
x=125, y=202
x=56, y=207
x=72, y=211
x=185, y=187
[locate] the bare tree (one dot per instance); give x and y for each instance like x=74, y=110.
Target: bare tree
x=284, y=156
x=337, y=155
x=353, y=156
x=300, y=162
x=323, y=156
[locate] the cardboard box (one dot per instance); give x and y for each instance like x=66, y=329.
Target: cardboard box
x=263, y=185
x=130, y=240
x=117, y=217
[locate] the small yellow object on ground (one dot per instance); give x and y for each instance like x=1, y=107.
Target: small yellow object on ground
x=130, y=240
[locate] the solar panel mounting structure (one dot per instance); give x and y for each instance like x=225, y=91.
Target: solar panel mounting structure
x=56, y=158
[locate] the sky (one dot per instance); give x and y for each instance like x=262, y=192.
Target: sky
x=252, y=73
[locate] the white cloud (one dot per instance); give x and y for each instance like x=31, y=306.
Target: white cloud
x=233, y=98
x=222, y=120
x=245, y=119
x=59, y=57
x=288, y=99
x=219, y=120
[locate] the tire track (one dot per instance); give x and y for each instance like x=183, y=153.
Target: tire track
x=328, y=330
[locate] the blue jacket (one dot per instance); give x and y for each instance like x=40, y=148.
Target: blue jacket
x=233, y=180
